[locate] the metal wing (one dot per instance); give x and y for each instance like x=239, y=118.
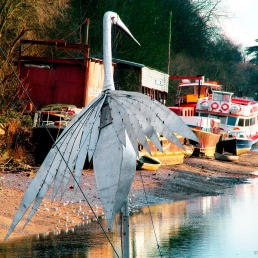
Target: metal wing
x=58, y=164
x=157, y=115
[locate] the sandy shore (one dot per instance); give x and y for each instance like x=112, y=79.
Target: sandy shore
x=195, y=177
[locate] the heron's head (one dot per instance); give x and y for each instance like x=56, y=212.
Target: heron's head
x=115, y=19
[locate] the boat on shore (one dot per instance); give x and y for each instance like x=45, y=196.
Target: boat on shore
x=207, y=131
x=206, y=99
x=191, y=88
x=148, y=163
x=49, y=123
x=238, y=117
x=235, y=142
x=171, y=154
x=226, y=157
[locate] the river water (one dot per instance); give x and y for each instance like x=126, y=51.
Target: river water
x=212, y=226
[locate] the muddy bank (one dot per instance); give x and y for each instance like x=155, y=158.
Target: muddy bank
x=195, y=177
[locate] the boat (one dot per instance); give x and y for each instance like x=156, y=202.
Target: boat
x=226, y=157
x=235, y=142
x=171, y=154
x=206, y=99
x=191, y=88
x=148, y=163
x=49, y=123
x=238, y=117
x=207, y=131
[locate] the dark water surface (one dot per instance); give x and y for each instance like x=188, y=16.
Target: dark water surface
x=217, y=226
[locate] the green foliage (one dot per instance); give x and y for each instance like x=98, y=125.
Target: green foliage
x=197, y=47
x=253, y=52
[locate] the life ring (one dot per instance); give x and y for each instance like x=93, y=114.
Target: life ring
x=204, y=105
x=214, y=105
x=225, y=106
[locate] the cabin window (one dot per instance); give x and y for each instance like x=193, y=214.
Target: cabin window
x=202, y=114
x=226, y=98
x=252, y=121
x=247, y=122
x=217, y=97
x=221, y=97
x=223, y=119
x=231, y=120
x=187, y=90
x=241, y=122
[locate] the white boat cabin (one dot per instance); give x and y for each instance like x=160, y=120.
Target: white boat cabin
x=234, y=113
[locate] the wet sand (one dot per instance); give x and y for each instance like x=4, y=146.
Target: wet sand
x=195, y=177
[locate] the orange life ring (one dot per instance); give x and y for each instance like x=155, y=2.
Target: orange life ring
x=214, y=105
x=225, y=106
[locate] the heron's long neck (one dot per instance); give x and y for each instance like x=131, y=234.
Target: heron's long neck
x=107, y=54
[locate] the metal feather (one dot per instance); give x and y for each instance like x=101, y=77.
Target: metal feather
x=88, y=145
x=135, y=125
x=121, y=112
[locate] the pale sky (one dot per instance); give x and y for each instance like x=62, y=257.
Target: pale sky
x=243, y=27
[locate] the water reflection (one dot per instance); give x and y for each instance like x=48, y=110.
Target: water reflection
x=217, y=226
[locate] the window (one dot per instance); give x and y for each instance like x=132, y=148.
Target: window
x=223, y=119
x=221, y=97
x=203, y=114
x=241, y=122
x=232, y=120
x=187, y=90
x=252, y=121
x=217, y=97
x=247, y=122
x=226, y=98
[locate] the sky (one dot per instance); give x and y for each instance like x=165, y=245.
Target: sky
x=242, y=28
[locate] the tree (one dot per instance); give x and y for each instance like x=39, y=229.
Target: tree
x=253, y=52
x=19, y=19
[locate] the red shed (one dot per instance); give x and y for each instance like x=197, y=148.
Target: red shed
x=60, y=80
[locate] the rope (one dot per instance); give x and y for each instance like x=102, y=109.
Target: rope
x=158, y=246
x=25, y=91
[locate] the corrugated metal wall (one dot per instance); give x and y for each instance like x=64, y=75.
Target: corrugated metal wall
x=63, y=84
x=154, y=79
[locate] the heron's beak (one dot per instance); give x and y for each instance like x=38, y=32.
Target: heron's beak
x=118, y=22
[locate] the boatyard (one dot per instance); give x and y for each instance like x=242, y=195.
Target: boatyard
x=143, y=156
x=195, y=177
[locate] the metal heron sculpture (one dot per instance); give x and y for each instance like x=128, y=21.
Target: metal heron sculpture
x=106, y=131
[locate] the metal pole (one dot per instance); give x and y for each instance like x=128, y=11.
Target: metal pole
x=125, y=232
x=87, y=31
x=169, y=41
